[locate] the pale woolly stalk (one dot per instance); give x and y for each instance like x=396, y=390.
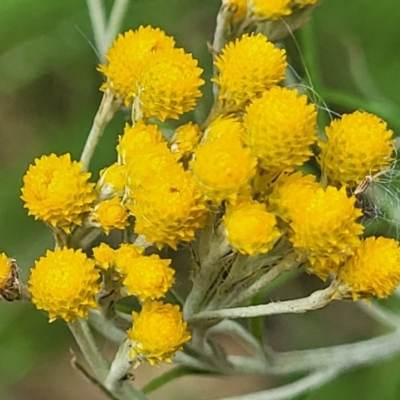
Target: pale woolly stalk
x=316, y=300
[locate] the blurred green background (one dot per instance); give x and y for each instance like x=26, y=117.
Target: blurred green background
x=48, y=96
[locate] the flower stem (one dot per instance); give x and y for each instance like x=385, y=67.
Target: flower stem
x=91, y=352
x=98, y=19
x=108, y=107
x=114, y=22
x=316, y=300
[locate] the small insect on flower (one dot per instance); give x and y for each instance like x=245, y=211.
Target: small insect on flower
x=9, y=280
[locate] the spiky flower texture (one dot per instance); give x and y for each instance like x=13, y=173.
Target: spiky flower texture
x=325, y=228
x=158, y=332
x=241, y=80
x=250, y=229
x=63, y=283
x=57, y=191
x=280, y=127
x=149, y=277
x=127, y=58
x=359, y=144
x=374, y=270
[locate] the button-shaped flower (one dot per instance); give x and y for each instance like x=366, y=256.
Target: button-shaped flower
x=104, y=256
x=124, y=256
x=280, y=127
x=374, y=270
x=169, y=85
x=246, y=68
x=223, y=168
x=127, y=58
x=359, y=144
x=271, y=9
x=63, y=283
x=57, y=191
x=110, y=214
x=325, y=228
x=158, y=332
x=149, y=277
x=250, y=229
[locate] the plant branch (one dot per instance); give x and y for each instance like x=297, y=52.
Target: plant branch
x=98, y=19
x=107, y=109
x=316, y=300
x=291, y=390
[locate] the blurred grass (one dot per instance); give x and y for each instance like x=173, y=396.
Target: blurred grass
x=49, y=94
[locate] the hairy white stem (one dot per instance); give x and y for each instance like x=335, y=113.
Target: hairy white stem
x=98, y=19
x=316, y=300
x=107, y=109
x=292, y=390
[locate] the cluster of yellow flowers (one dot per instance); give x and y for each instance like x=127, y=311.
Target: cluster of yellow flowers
x=244, y=165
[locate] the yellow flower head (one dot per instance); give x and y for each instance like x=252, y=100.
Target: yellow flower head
x=5, y=271
x=359, y=144
x=136, y=140
x=63, y=283
x=128, y=57
x=290, y=192
x=271, y=9
x=169, y=85
x=238, y=6
x=149, y=277
x=223, y=168
x=247, y=67
x=227, y=127
x=373, y=271
x=250, y=229
x=124, y=256
x=9, y=282
x=158, y=332
x=110, y=214
x=168, y=206
x=280, y=128
x=112, y=181
x=184, y=140
x=104, y=256
x=325, y=227
x=57, y=191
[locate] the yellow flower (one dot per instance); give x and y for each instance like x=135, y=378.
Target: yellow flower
x=137, y=140
x=290, y=192
x=110, y=214
x=250, y=229
x=149, y=277
x=359, y=144
x=325, y=228
x=63, y=283
x=280, y=127
x=373, y=271
x=124, y=256
x=227, y=127
x=158, y=332
x=128, y=57
x=168, y=207
x=247, y=67
x=112, y=181
x=184, y=140
x=169, y=85
x=223, y=168
x=238, y=6
x=271, y=9
x=9, y=282
x=104, y=256
x=57, y=191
